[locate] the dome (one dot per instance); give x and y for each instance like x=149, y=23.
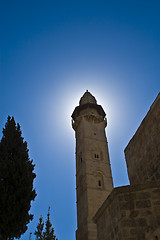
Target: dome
x=87, y=98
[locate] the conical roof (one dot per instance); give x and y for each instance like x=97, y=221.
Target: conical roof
x=87, y=101
x=87, y=98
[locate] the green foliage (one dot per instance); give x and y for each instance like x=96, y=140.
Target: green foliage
x=16, y=182
x=49, y=230
x=39, y=231
x=48, y=234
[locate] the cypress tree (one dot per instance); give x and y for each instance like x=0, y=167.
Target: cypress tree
x=39, y=231
x=49, y=230
x=16, y=182
x=30, y=236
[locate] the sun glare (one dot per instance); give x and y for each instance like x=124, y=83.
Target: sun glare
x=58, y=114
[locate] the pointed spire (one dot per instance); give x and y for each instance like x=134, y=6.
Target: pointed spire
x=87, y=98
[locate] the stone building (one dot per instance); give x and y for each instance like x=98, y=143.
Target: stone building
x=124, y=213
x=93, y=171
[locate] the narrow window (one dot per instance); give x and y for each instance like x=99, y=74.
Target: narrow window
x=99, y=183
x=97, y=156
x=156, y=237
x=80, y=159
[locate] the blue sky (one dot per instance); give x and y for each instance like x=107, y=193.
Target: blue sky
x=51, y=52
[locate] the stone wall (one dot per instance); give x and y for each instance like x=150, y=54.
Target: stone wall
x=130, y=213
x=143, y=151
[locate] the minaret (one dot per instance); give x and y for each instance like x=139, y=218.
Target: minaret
x=93, y=171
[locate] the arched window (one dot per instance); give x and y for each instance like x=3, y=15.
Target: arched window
x=96, y=155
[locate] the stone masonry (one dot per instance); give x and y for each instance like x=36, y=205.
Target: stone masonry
x=143, y=151
x=93, y=171
x=133, y=212
x=130, y=213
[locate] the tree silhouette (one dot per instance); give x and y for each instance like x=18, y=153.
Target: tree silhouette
x=39, y=231
x=16, y=182
x=49, y=230
x=48, y=234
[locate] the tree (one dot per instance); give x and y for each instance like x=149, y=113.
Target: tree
x=49, y=230
x=16, y=182
x=48, y=234
x=30, y=236
x=39, y=232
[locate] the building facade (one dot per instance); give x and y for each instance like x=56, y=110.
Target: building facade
x=124, y=213
x=133, y=212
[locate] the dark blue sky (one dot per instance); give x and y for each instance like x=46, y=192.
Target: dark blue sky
x=51, y=52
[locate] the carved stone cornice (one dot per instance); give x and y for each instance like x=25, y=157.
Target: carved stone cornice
x=89, y=118
x=78, y=109
x=93, y=118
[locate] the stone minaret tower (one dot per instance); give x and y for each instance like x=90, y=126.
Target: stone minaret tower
x=93, y=171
